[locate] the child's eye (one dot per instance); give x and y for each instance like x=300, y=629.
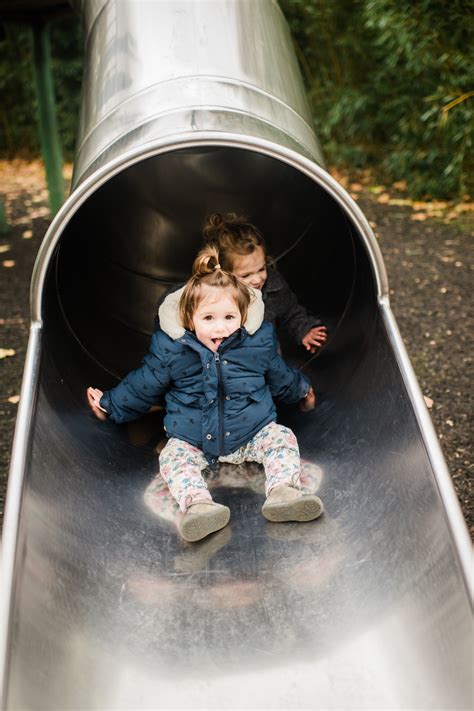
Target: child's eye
x=208, y=318
x=263, y=269
x=229, y=317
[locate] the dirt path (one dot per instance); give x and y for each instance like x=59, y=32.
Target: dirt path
x=429, y=261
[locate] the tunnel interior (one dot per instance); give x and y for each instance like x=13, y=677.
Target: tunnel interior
x=138, y=233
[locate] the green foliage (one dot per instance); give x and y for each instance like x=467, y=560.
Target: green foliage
x=18, y=132
x=67, y=60
x=391, y=86
x=423, y=51
x=18, y=110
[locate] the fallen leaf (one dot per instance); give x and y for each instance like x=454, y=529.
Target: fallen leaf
x=464, y=207
x=27, y=234
x=14, y=399
x=450, y=423
x=400, y=202
x=40, y=212
x=9, y=263
x=419, y=216
x=428, y=402
x=342, y=179
x=4, y=248
x=357, y=187
x=384, y=198
x=7, y=352
x=400, y=185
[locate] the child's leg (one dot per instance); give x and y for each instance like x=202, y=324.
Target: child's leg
x=276, y=447
x=181, y=465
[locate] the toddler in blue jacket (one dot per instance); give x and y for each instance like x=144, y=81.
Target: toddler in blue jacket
x=216, y=362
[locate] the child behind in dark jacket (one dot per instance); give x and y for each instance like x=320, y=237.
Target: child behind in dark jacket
x=243, y=252
x=216, y=363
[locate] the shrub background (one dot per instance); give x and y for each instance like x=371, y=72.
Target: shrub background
x=390, y=84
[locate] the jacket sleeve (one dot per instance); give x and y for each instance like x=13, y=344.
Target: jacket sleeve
x=295, y=319
x=286, y=384
x=140, y=389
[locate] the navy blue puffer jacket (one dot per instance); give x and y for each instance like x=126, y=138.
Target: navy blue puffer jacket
x=215, y=401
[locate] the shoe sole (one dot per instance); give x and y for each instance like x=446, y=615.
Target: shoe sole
x=197, y=526
x=306, y=509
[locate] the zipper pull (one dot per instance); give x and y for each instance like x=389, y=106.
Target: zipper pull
x=217, y=357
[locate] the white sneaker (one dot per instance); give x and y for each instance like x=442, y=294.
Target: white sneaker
x=203, y=518
x=286, y=503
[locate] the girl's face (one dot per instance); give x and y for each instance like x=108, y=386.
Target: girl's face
x=251, y=268
x=216, y=317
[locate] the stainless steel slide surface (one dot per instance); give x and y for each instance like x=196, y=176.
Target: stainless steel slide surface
x=103, y=605
x=365, y=608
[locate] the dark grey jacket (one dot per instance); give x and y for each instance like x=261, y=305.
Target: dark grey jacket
x=282, y=308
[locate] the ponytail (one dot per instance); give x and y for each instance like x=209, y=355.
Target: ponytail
x=231, y=235
x=207, y=261
x=207, y=271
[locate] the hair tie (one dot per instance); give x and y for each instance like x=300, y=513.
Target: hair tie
x=217, y=266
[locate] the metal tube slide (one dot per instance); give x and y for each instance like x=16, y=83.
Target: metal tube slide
x=192, y=107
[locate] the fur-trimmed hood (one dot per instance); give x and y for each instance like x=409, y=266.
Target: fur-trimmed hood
x=171, y=324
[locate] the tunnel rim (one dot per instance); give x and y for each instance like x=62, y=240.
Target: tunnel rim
x=98, y=178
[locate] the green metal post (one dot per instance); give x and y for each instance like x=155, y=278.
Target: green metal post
x=48, y=127
x=4, y=226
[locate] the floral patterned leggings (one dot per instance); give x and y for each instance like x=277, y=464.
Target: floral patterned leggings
x=275, y=446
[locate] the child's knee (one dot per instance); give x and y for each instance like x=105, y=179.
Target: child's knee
x=285, y=436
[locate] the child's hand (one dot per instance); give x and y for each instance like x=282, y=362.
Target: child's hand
x=315, y=338
x=93, y=398
x=309, y=402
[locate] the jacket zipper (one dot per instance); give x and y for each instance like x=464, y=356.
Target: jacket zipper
x=220, y=393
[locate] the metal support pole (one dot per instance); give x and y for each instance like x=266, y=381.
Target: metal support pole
x=4, y=226
x=48, y=128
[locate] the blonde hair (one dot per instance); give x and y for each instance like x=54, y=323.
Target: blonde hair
x=232, y=235
x=208, y=271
